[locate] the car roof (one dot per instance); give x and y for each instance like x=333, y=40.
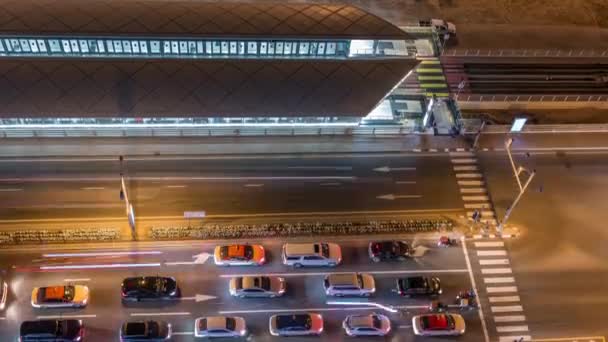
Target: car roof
x=39, y=327
x=53, y=292
x=437, y=321
x=361, y=321
x=216, y=322
x=297, y=320
x=343, y=279
x=252, y=282
x=300, y=248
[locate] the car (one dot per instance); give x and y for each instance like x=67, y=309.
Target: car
x=419, y=286
x=4, y=294
x=311, y=254
x=296, y=324
x=239, y=255
x=69, y=330
x=388, y=250
x=219, y=326
x=349, y=284
x=438, y=325
x=137, y=289
x=140, y=331
x=257, y=286
x=367, y=325
x=60, y=296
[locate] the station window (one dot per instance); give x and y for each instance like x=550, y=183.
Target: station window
x=155, y=46
x=126, y=46
x=216, y=47
x=279, y=48
x=183, y=47
x=1, y=46
x=74, y=45
x=303, y=48
x=25, y=45
x=331, y=49
x=321, y=50
x=66, y=46
x=174, y=47
x=117, y=46
x=287, y=48
x=84, y=47
x=166, y=47
x=143, y=47
x=233, y=48
x=192, y=48
x=271, y=48
x=263, y=48
x=252, y=48
x=110, y=45
x=135, y=46
x=200, y=47
x=225, y=47
x=33, y=45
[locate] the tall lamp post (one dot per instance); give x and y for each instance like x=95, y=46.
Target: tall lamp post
x=517, y=171
x=124, y=195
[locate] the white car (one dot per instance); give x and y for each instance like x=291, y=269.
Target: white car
x=220, y=326
x=438, y=325
x=367, y=325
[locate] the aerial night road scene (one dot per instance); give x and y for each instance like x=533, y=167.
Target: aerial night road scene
x=299, y=170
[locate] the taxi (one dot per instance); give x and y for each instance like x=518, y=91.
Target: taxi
x=61, y=296
x=239, y=255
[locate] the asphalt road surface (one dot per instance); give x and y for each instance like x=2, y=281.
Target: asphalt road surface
x=105, y=313
x=73, y=188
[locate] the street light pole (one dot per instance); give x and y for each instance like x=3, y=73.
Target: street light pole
x=522, y=189
x=124, y=195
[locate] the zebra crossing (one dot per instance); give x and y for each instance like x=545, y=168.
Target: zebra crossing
x=472, y=186
x=501, y=290
x=429, y=74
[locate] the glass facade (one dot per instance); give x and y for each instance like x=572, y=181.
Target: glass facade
x=106, y=47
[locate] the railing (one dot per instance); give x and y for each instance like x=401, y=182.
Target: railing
x=177, y=131
x=530, y=98
x=527, y=53
x=471, y=126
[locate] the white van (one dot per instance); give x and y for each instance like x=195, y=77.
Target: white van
x=311, y=254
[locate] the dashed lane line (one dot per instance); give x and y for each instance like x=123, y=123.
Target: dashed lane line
x=473, y=190
x=65, y=316
x=140, y=314
x=464, y=161
x=325, y=309
x=509, y=318
x=469, y=175
x=477, y=206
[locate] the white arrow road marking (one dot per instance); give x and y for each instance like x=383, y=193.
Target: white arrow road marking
x=389, y=169
x=139, y=314
x=65, y=316
x=199, y=259
x=392, y=197
x=199, y=298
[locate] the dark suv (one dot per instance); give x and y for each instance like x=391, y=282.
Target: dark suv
x=419, y=286
x=69, y=330
x=149, y=288
x=145, y=331
x=388, y=250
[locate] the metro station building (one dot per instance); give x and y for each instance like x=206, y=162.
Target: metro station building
x=114, y=61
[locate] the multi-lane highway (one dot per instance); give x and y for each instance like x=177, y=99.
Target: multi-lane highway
x=105, y=313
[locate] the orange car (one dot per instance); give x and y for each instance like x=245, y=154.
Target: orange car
x=239, y=255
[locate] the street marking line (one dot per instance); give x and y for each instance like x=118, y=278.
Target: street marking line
x=73, y=267
x=139, y=314
x=469, y=175
x=580, y=339
x=464, y=161
x=509, y=319
x=429, y=70
x=503, y=270
x=76, y=279
x=514, y=338
x=431, y=78
x=65, y=316
x=67, y=255
x=499, y=280
x=501, y=289
x=475, y=198
x=182, y=333
x=461, y=153
x=175, y=186
x=512, y=328
x=338, y=168
x=257, y=185
x=465, y=168
x=430, y=61
x=485, y=262
x=492, y=253
x=504, y=299
x=489, y=244
x=508, y=308
x=325, y=309
x=472, y=190
x=474, y=285
x=308, y=274
x=93, y=188
x=176, y=178
x=433, y=85
x=484, y=213
x=477, y=206
x=471, y=182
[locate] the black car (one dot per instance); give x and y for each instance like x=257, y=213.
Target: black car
x=140, y=331
x=419, y=286
x=149, y=288
x=388, y=250
x=68, y=330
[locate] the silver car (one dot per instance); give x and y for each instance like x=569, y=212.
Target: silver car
x=296, y=324
x=349, y=284
x=220, y=326
x=367, y=325
x=257, y=287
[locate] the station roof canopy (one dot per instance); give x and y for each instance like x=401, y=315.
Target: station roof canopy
x=192, y=18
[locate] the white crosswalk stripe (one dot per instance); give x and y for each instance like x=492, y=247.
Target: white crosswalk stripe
x=496, y=270
x=492, y=253
x=501, y=289
x=469, y=175
x=470, y=182
x=475, y=198
x=485, y=262
x=465, y=168
x=499, y=280
x=489, y=244
x=508, y=308
x=512, y=328
x=504, y=299
x=477, y=206
x=509, y=319
x=472, y=190
x=462, y=154
x=514, y=338
x=484, y=213
x=464, y=161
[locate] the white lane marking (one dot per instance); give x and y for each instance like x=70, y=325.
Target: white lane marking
x=93, y=188
x=499, y=280
x=75, y=267
x=337, y=168
x=330, y=184
x=508, y=308
x=473, y=190
x=501, y=289
x=461, y=154
x=10, y=190
x=255, y=185
x=389, y=169
x=326, y=309
x=502, y=270
x=175, y=186
x=176, y=178
x=504, y=299
x=139, y=314
x=464, y=161
x=465, y=168
x=475, y=198
x=392, y=197
x=512, y=328
x=182, y=333
x=508, y=319
x=489, y=243
x=65, y=316
x=514, y=338
x=485, y=262
x=405, y=182
x=492, y=253
x=404, y=326
x=307, y=274
x=70, y=280
x=471, y=182
x=474, y=285
x=2, y=318
x=469, y=175
x=67, y=255
x=477, y=206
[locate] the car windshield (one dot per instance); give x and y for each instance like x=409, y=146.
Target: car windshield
x=58, y=293
x=136, y=329
x=230, y=323
x=360, y=281
x=160, y=285
x=376, y=322
x=325, y=250
x=438, y=322
x=262, y=282
x=290, y=321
